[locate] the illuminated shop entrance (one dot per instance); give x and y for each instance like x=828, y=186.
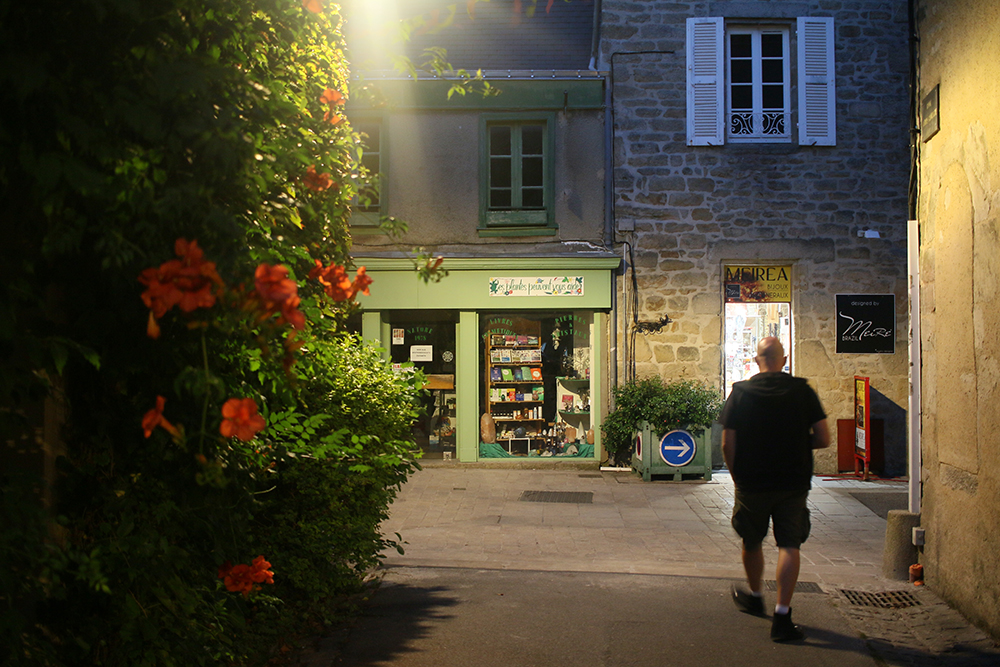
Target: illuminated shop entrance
x=758, y=303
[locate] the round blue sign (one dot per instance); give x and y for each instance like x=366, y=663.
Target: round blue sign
x=677, y=448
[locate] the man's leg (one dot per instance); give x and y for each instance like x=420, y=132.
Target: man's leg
x=787, y=575
x=753, y=564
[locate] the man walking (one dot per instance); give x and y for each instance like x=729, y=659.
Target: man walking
x=771, y=423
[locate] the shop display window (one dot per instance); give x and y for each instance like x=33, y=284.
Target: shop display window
x=535, y=390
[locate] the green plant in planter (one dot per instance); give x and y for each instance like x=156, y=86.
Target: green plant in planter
x=684, y=404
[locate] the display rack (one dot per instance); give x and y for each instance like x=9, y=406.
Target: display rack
x=515, y=390
x=573, y=404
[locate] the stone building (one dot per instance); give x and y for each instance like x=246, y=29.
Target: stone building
x=509, y=191
x=756, y=138
x=959, y=262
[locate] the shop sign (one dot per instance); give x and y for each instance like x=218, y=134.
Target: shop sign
x=758, y=284
x=544, y=286
x=866, y=323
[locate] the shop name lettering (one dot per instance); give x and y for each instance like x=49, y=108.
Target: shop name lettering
x=753, y=274
x=419, y=333
x=859, y=329
x=555, y=286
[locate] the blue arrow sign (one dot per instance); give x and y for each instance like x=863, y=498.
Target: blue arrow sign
x=677, y=448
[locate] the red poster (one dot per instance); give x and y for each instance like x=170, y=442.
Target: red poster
x=862, y=424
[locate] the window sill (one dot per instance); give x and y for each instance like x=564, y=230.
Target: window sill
x=517, y=231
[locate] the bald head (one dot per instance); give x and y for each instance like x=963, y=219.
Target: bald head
x=770, y=355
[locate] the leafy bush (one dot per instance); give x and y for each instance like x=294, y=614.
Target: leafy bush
x=683, y=404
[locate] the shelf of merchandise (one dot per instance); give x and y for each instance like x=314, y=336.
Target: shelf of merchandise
x=503, y=411
x=576, y=418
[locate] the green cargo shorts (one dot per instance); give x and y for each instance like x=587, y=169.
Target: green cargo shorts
x=753, y=511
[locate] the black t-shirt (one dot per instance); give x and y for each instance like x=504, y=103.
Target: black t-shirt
x=772, y=414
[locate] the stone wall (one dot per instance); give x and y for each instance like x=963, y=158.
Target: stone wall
x=959, y=216
x=688, y=210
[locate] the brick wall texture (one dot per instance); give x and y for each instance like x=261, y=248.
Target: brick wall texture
x=686, y=211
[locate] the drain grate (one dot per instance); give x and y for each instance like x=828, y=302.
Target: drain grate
x=800, y=586
x=884, y=600
x=557, y=497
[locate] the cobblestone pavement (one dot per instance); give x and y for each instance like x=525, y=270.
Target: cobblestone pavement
x=452, y=515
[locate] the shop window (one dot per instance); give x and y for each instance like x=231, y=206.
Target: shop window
x=427, y=340
x=757, y=304
x=536, y=386
x=516, y=187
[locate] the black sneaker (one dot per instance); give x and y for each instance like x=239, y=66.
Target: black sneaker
x=783, y=630
x=746, y=602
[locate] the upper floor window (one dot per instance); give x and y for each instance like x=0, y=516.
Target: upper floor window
x=739, y=85
x=369, y=203
x=757, y=85
x=517, y=178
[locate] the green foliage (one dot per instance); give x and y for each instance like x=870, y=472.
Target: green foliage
x=681, y=404
x=125, y=125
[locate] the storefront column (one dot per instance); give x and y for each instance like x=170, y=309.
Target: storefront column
x=467, y=385
x=598, y=391
x=375, y=331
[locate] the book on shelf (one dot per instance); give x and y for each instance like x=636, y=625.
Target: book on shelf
x=511, y=393
x=496, y=339
x=504, y=356
x=518, y=396
x=518, y=376
x=522, y=340
x=507, y=374
x=495, y=374
x=534, y=356
x=525, y=373
x=538, y=393
x=495, y=356
x=532, y=340
x=509, y=340
x=536, y=374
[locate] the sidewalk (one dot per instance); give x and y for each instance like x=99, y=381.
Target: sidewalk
x=548, y=558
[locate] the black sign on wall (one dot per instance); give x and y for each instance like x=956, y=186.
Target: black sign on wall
x=866, y=323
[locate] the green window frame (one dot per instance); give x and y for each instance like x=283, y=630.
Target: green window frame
x=370, y=204
x=516, y=175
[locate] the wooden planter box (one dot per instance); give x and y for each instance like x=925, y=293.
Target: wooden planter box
x=677, y=454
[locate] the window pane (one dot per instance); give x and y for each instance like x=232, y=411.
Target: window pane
x=742, y=97
x=499, y=140
x=499, y=198
x=532, y=198
x=500, y=172
x=771, y=46
x=773, y=97
x=772, y=71
x=370, y=138
x=531, y=171
x=531, y=140
x=739, y=46
x=741, y=71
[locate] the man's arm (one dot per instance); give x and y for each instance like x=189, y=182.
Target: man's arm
x=729, y=447
x=820, y=435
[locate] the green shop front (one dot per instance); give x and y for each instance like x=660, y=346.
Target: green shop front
x=515, y=351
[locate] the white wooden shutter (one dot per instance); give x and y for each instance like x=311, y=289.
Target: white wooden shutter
x=817, y=82
x=706, y=108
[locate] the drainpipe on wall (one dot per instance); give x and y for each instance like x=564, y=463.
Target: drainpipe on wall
x=913, y=444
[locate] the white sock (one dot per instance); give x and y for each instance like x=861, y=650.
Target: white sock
x=757, y=594
x=781, y=609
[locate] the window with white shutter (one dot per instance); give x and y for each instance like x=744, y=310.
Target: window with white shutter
x=739, y=84
x=705, y=79
x=817, y=86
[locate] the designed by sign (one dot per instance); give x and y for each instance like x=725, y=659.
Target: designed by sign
x=678, y=448
x=758, y=284
x=541, y=286
x=866, y=323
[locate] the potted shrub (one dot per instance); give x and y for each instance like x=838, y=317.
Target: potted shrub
x=681, y=404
